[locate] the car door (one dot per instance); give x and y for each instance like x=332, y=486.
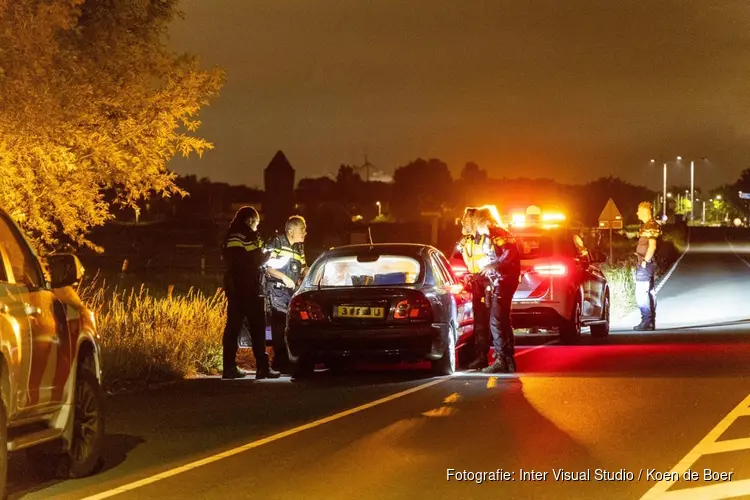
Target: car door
x=15, y=331
x=586, y=279
x=48, y=343
x=462, y=297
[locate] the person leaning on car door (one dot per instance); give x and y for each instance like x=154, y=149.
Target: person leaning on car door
x=286, y=267
x=473, y=248
x=243, y=254
x=503, y=269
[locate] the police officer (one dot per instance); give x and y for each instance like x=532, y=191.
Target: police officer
x=648, y=236
x=473, y=248
x=502, y=268
x=243, y=254
x=286, y=267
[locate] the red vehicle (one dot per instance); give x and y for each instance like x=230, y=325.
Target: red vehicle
x=393, y=301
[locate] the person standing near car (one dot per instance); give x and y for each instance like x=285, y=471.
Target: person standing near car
x=648, y=237
x=243, y=254
x=286, y=266
x=502, y=268
x=473, y=248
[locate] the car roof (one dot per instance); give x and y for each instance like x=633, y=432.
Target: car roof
x=406, y=249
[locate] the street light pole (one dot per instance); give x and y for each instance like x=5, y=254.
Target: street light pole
x=703, y=219
x=664, y=208
x=692, y=188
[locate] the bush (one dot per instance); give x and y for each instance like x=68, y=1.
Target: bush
x=145, y=339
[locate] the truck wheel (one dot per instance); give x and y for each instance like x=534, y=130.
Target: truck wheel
x=3, y=449
x=88, y=426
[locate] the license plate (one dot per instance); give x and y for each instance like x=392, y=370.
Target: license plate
x=360, y=312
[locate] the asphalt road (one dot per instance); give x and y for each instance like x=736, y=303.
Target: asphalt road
x=623, y=410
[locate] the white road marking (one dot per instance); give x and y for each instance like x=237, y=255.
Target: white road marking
x=674, y=266
x=255, y=444
x=742, y=259
x=708, y=445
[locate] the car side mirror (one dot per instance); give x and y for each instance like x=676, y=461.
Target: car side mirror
x=598, y=257
x=64, y=269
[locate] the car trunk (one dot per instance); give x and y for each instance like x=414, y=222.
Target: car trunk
x=362, y=307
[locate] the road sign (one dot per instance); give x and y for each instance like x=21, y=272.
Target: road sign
x=744, y=196
x=610, y=213
x=610, y=218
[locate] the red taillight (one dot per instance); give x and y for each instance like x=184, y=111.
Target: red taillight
x=418, y=308
x=551, y=269
x=305, y=310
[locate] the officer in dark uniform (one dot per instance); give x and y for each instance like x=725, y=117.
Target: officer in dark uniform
x=502, y=268
x=243, y=254
x=648, y=237
x=473, y=248
x=286, y=267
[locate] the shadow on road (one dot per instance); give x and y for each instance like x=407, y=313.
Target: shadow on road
x=32, y=472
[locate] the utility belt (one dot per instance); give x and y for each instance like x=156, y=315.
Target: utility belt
x=278, y=296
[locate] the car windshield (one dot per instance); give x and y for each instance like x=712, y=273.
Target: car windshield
x=534, y=246
x=378, y=270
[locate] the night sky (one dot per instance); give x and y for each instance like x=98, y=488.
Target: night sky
x=565, y=89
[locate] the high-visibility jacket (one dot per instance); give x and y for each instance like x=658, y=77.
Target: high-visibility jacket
x=475, y=252
x=243, y=254
x=289, y=260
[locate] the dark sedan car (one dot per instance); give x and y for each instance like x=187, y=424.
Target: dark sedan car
x=395, y=301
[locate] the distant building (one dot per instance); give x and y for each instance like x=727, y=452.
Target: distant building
x=278, y=203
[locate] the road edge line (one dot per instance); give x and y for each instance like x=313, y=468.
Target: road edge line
x=666, y=277
x=260, y=442
x=736, y=254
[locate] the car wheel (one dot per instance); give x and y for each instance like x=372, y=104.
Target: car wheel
x=601, y=330
x=446, y=365
x=88, y=426
x=304, y=367
x=3, y=449
x=570, y=330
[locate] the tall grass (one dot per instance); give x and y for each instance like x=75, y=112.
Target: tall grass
x=621, y=289
x=148, y=339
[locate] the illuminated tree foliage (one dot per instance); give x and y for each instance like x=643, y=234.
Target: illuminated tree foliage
x=91, y=98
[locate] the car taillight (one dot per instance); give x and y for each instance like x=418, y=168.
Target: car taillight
x=305, y=310
x=416, y=308
x=551, y=269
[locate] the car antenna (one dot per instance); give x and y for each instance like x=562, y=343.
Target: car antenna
x=369, y=233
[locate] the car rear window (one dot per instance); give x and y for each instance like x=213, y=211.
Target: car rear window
x=535, y=247
x=378, y=270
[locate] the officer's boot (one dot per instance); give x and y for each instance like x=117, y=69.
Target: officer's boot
x=499, y=366
x=232, y=373
x=644, y=326
x=264, y=371
x=510, y=362
x=479, y=363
